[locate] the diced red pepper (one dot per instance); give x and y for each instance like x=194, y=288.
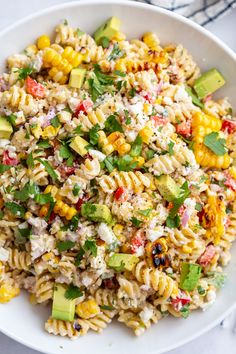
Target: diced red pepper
x=178, y=300
x=229, y=126
x=230, y=182
x=121, y=194
x=34, y=88
x=159, y=121
x=148, y=97
x=7, y=160
x=66, y=171
x=83, y=107
x=184, y=128
x=137, y=241
x=52, y=217
x=81, y=201
x=207, y=256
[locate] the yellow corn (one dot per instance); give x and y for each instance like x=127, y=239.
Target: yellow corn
x=7, y=292
x=50, y=132
x=121, y=65
x=44, y=210
x=64, y=210
x=186, y=249
x=146, y=133
x=31, y=49
x=206, y=120
x=51, y=189
x=118, y=229
x=206, y=158
x=74, y=58
x=117, y=141
x=232, y=172
x=87, y=309
x=151, y=40
x=43, y=42
x=119, y=36
x=36, y=131
x=28, y=215
x=140, y=161
x=58, y=75
x=158, y=100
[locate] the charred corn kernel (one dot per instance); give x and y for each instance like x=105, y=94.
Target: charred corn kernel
x=119, y=36
x=36, y=131
x=7, y=292
x=64, y=116
x=64, y=210
x=151, y=40
x=50, y=132
x=44, y=210
x=87, y=309
x=158, y=100
x=140, y=161
x=28, y=215
x=33, y=299
x=232, y=172
x=51, y=189
x=114, y=136
x=146, y=133
x=31, y=49
x=159, y=57
x=74, y=58
x=186, y=249
x=43, y=42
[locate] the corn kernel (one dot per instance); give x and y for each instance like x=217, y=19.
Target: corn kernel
x=140, y=161
x=108, y=149
x=146, y=133
x=124, y=149
x=31, y=49
x=158, y=100
x=43, y=42
x=44, y=211
x=119, y=36
x=87, y=309
x=28, y=215
x=51, y=189
x=117, y=229
x=50, y=132
x=7, y=292
x=64, y=116
x=36, y=131
x=186, y=249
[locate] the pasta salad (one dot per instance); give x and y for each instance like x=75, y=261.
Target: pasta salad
x=117, y=180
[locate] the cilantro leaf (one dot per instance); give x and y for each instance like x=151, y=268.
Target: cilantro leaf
x=25, y=232
x=88, y=208
x=136, y=148
x=215, y=144
x=119, y=73
x=77, y=130
x=173, y=222
x=44, y=144
x=145, y=212
x=112, y=125
x=109, y=163
x=98, y=82
x=149, y=154
x=132, y=92
x=65, y=245
x=171, y=148
x=73, y=292
x=55, y=122
x=93, y=134
x=90, y=245
x=23, y=73
x=106, y=307
x=116, y=52
x=30, y=160
x=185, y=311
x=48, y=168
x=201, y=290
x=15, y=209
x=12, y=119
x=184, y=193
x=217, y=279
x=126, y=163
x=79, y=256
x=198, y=207
x=43, y=198
x=105, y=42
x=76, y=189
x=4, y=168
x=136, y=222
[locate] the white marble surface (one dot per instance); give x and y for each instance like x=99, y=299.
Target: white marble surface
x=221, y=339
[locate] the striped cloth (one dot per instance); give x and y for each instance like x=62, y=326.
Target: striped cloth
x=200, y=11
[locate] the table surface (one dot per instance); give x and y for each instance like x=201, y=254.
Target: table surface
x=220, y=339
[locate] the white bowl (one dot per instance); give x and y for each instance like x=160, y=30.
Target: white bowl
x=25, y=322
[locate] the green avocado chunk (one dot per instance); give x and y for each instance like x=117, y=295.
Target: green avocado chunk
x=195, y=99
x=5, y=128
x=107, y=29
x=62, y=309
x=96, y=212
x=78, y=144
x=190, y=274
x=167, y=187
x=208, y=83
x=77, y=77
x=119, y=259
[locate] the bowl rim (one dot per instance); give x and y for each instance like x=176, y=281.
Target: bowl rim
x=188, y=22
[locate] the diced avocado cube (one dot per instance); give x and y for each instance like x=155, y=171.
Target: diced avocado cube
x=78, y=144
x=107, y=29
x=119, y=259
x=167, y=187
x=195, y=99
x=62, y=309
x=77, y=77
x=96, y=212
x=208, y=83
x=190, y=274
x=5, y=128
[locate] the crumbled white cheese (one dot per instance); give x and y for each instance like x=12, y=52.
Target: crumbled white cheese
x=181, y=94
x=86, y=281
x=136, y=108
x=139, y=251
x=146, y=314
x=154, y=234
x=167, y=100
x=4, y=254
x=97, y=154
x=106, y=234
x=4, y=143
x=41, y=244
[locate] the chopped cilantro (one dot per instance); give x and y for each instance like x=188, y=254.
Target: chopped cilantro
x=109, y=163
x=171, y=148
x=79, y=256
x=136, y=148
x=25, y=232
x=73, y=292
x=98, y=82
x=106, y=307
x=132, y=92
x=23, y=73
x=215, y=144
x=88, y=208
x=185, y=311
x=43, y=198
x=79, y=33
x=200, y=290
x=77, y=130
x=93, y=134
x=29, y=190
x=4, y=168
x=30, y=160
x=12, y=119
x=74, y=223
x=65, y=245
x=112, y=124
x=136, y=222
x=119, y=73
x=105, y=42
x=15, y=209
x=48, y=168
x=149, y=154
x=116, y=52
x=76, y=189
x=173, y=221
x=198, y=206
x=184, y=193
x=55, y=122
x=145, y=212
x=90, y=245
x=44, y=144
x=126, y=163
